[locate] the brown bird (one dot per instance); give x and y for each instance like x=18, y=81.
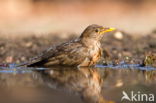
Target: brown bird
x=83, y=51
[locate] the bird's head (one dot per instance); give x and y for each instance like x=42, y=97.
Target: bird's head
x=95, y=32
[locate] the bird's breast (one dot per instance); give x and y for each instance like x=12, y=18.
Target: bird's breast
x=94, y=49
x=95, y=53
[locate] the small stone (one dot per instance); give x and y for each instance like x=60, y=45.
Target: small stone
x=23, y=58
x=29, y=44
x=118, y=35
x=9, y=59
x=150, y=60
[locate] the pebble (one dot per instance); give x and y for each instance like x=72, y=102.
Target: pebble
x=118, y=35
x=9, y=59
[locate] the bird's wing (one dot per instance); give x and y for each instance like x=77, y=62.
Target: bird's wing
x=57, y=54
x=68, y=54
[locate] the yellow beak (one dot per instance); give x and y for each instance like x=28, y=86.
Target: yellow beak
x=107, y=30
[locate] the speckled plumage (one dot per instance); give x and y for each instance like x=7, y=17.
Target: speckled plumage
x=83, y=51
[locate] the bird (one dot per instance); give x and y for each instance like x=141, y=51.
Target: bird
x=83, y=51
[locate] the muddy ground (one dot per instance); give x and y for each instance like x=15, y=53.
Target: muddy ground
x=118, y=46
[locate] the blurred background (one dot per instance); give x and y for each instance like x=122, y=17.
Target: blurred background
x=44, y=16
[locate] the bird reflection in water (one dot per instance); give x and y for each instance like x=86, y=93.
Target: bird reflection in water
x=83, y=81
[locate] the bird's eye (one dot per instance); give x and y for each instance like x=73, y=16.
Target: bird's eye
x=97, y=30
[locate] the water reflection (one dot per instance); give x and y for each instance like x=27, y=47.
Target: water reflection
x=93, y=85
x=86, y=82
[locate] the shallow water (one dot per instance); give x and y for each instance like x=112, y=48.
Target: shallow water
x=75, y=85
